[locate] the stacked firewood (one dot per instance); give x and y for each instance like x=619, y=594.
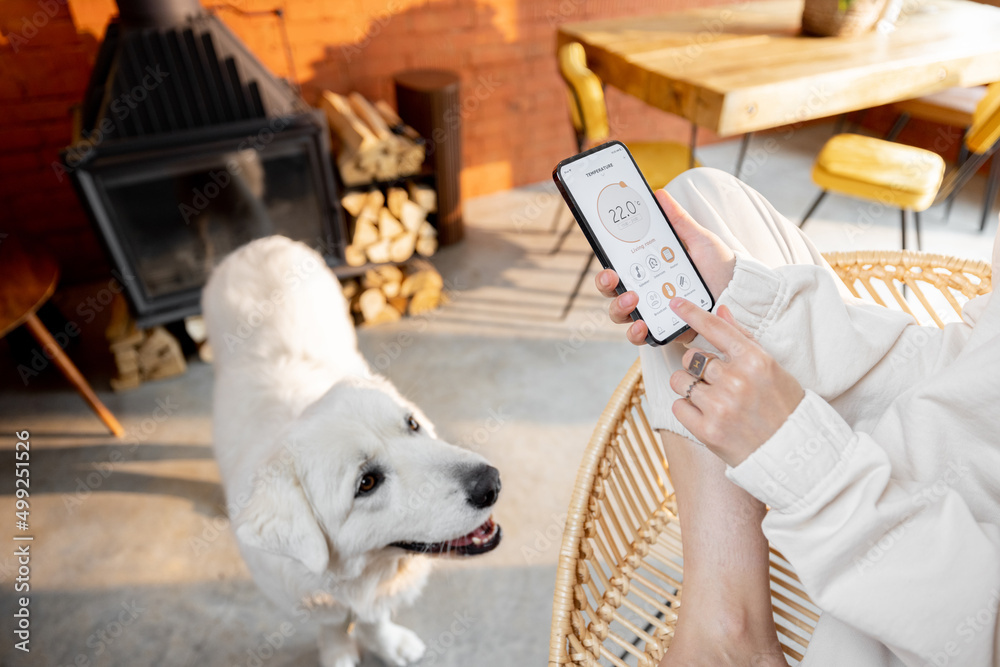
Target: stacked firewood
x=140, y=355
x=374, y=144
x=390, y=227
x=386, y=293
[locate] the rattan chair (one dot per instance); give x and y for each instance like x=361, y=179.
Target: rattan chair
x=620, y=575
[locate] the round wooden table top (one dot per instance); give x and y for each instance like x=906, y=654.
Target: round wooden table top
x=27, y=280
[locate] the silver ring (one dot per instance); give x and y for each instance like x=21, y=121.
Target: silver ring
x=687, y=396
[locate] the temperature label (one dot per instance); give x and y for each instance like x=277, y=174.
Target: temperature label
x=623, y=212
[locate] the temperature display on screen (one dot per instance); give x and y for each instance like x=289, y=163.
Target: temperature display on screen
x=623, y=212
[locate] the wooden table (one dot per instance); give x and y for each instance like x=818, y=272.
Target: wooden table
x=742, y=68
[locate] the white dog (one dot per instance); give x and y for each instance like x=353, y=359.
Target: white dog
x=337, y=486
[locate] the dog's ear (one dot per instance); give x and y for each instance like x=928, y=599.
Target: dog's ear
x=278, y=519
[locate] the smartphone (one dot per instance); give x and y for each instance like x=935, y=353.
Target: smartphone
x=631, y=234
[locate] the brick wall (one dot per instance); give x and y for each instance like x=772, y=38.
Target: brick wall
x=515, y=123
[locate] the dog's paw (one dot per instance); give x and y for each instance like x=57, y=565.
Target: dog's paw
x=337, y=650
x=395, y=644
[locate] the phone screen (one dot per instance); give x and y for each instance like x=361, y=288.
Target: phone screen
x=630, y=233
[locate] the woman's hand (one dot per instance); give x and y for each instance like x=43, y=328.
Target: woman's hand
x=714, y=259
x=743, y=397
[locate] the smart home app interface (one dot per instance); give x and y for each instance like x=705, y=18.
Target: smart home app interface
x=623, y=216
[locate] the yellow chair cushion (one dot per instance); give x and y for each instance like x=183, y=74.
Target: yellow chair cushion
x=660, y=161
x=879, y=170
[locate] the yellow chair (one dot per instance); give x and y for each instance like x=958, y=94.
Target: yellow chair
x=659, y=161
x=910, y=178
x=620, y=576
x=953, y=107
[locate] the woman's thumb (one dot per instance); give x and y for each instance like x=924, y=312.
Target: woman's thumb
x=688, y=231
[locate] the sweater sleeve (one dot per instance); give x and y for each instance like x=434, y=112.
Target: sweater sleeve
x=906, y=564
x=830, y=345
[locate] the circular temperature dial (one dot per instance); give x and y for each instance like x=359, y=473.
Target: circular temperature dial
x=623, y=212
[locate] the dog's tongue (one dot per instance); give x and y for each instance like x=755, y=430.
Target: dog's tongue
x=480, y=535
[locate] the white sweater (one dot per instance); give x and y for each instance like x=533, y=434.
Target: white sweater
x=884, y=484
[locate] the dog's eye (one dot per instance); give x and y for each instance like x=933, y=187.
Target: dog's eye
x=413, y=424
x=369, y=482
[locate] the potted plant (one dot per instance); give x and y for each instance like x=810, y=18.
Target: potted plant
x=840, y=18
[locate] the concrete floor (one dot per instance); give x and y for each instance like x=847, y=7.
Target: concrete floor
x=133, y=563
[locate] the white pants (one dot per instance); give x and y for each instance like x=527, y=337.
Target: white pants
x=748, y=224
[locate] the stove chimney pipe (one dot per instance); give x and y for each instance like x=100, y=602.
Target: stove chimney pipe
x=157, y=13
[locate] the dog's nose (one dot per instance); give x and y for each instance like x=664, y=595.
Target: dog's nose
x=482, y=486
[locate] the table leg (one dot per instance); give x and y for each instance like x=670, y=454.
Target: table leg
x=71, y=372
x=691, y=145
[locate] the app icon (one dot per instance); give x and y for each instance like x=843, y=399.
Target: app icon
x=653, y=299
x=683, y=281
x=653, y=263
x=667, y=254
x=669, y=291
x=637, y=272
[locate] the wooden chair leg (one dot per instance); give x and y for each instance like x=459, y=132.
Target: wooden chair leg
x=904, y=215
x=71, y=372
x=813, y=207
x=963, y=155
x=992, y=188
x=916, y=227
x=897, y=127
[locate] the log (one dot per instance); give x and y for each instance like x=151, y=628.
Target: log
x=378, y=252
x=424, y=300
x=388, y=226
x=425, y=277
x=349, y=288
x=355, y=255
x=353, y=202
x=367, y=113
x=394, y=201
x=427, y=231
x=426, y=245
x=387, y=314
x=365, y=232
x=400, y=303
x=412, y=216
x=380, y=276
x=424, y=196
x=353, y=133
x=402, y=247
x=376, y=200
x=393, y=120
x=372, y=302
